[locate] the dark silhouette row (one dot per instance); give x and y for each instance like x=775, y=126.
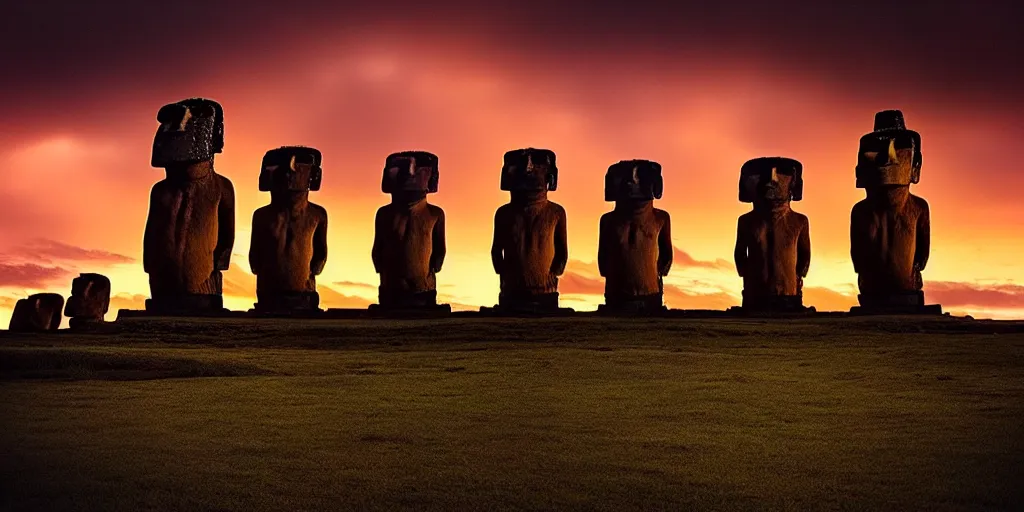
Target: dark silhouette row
x=191, y=223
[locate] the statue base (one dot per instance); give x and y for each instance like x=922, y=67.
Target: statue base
x=534, y=305
x=182, y=305
x=648, y=305
x=772, y=305
x=407, y=311
x=905, y=303
x=87, y=325
x=289, y=304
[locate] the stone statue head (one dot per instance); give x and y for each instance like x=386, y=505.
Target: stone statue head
x=37, y=312
x=771, y=178
x=633, y=180
x=190, y=131
x=891, y=154
x=529, y=169
x=410, y=172
x=90, y=296
x=291, y=168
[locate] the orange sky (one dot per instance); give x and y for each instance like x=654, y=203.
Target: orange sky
x=75, y=193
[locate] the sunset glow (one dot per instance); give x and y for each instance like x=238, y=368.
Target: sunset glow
x=76, y=182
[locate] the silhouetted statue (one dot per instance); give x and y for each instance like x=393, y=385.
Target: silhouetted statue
x=890, y=229
x=191, y=225
x=37, y=313
x=773, y=244
x=89, y=301
x=409, y=241
x=635, y=241
x=530, y=250
x=289, y=236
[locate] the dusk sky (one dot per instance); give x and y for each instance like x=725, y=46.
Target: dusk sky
x=700, y=89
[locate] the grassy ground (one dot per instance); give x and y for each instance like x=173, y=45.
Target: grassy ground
x=597, y=414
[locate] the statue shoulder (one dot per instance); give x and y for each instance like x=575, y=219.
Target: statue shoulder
x=318, y=210
x=861, y=208
x=556, y=208
x=435, y=211
x=919, y=203
x=661, y=215
x=800, y=218
x=746, y=218
x=225, y=184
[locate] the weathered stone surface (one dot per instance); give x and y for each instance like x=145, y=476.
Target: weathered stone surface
x=38, y=313
x=190, y=228
x=530, y=249
x=409, y=233
x=773, y=245
x=288, y=248
x=890, y=230
x=89, y=300
x=635, y=239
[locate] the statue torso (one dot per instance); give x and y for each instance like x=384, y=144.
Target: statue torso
x=183, y=232
x=406, y=240
x=284, y=240
x=772, y=239
x=631, y=242
x=528, y=232
x=886, y=237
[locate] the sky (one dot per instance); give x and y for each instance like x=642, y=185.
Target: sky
x=700, y=88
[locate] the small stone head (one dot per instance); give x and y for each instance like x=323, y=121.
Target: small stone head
x=529, y=169
x=891, y=154
x=292, y=169
x=90, y=296
x=190, y=131
x=410, y=172
x=773, y=179
x=636, y=180
x=38, y=312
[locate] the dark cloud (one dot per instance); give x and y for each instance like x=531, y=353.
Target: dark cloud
x=356, y=284
x=683, y=259
x=52, y=249
x=674, y=296
x=27, y=275
x=121, y=301
x=827, y=299
x=331, y=298
x=955, y=294
x=958, y=47
x=239, y=283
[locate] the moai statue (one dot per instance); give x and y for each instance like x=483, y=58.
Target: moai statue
x=530, y=249
x=773, y=243
x=409, y=240
x=37, y=313
x=191, y=225
x=289, y=236
x=890, y=232
x=635, y=240
x=89, y=301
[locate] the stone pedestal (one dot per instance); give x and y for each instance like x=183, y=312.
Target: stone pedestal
x=649, y=305
x=905, y=303
x=289, y=303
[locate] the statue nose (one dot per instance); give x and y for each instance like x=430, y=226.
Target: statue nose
x=775, y=175
x=891, y=156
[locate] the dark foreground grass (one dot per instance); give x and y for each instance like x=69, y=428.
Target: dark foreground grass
x=859, y=414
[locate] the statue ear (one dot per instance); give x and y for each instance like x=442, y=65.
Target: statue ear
x=797, y=186
x=915, y=172
x=385, y=183
x=432, y=182
x=659, y=187
x=553, y=178
x=316, y=175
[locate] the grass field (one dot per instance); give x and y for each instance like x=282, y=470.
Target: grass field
x=596, y=414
